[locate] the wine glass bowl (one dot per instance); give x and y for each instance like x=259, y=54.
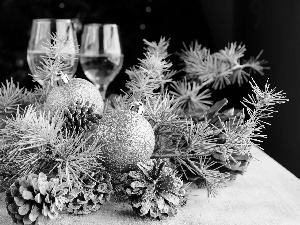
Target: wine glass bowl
x=101, y=54
x=41, y=32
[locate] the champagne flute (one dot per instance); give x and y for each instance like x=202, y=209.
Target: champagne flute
x=41, y=31
x=101, y=55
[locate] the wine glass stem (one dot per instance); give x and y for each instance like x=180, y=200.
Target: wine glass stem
x=102, y=88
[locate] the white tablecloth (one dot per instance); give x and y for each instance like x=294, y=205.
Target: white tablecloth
x=266, y=194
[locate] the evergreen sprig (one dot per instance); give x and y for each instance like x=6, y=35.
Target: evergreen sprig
x=76, y=155
x=152, y=73
x=35, y=142
x=190, y=95
x=159, y=110
x=203, y=172
x=148, y=76
x=58, y=50
x=199, y=138
x=189, y=146
x=160, y=49
x=260, y=106
x=185, y=138
x=221, y=68
x=32, y=129
x=11, y=97
x=238, y=135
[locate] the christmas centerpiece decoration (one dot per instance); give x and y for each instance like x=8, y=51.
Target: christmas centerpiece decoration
x=63, y=149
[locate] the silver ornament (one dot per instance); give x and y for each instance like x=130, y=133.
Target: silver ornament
x=77, y=89
x=127, y=138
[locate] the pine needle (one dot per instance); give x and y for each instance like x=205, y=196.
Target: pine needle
x=188, y=95
x=11, y=97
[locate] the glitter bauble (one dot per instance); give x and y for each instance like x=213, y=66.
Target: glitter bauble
x=127, y=138
x=76, y=90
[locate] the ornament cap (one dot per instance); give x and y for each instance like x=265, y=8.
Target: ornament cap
x=137, y=107
x=64, y=79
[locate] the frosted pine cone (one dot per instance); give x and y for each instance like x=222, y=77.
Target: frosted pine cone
x=239, y=166
x=155, y=190
x=80, y=117
x=94, y=194
x=32, y=198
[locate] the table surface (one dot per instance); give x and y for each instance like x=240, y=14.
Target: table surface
x=266, y=194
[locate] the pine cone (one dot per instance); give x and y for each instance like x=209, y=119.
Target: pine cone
x=32, y=198
x=94, y=194
x=239, y=166
x=234, y=117
x=80, y=117
x=155, y=190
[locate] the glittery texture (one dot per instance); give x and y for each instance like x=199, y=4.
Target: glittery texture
x=128, y=138
x=60, y=97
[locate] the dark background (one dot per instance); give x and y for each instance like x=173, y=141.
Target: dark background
x=271, y=25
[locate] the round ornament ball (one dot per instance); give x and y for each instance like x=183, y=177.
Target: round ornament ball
x=126, y=139
x=75, y=90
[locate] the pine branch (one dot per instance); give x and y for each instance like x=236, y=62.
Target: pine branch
x=188, y=97
x=204, y=175
x=141, y=84
x=159, y=110
x=200, y=138
x=236, y=138
x=159, y=49
x=31, y=129
x=224, y=67
x=194, y=59
x=263, y=102
x=58, y=49
x=152, y=73
x=11, y=97
x=73, y=156
x=185, y=139
x=77, y=155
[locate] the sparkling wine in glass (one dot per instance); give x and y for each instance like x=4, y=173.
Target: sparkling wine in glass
x=101, y=55
x=40, y=34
